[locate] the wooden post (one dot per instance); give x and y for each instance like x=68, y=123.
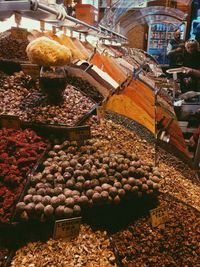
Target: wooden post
x=18, y=19
x=42, y=25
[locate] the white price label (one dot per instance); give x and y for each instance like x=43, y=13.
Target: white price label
x=67, y=228
x=100, y=112
x=159, y=216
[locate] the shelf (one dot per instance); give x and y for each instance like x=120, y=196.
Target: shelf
x=157, y=47
x=164, y=31
x=157, y=39
x=36, y=10
x=159, y=31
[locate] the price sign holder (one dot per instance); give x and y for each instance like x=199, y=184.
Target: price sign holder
x=42, y=25
x=79, y=133
x=54, y=29
x=67, y=228
x=100, y=112
x=159, y=216
x=10, y=121
x=64, y=29
x=18, y=19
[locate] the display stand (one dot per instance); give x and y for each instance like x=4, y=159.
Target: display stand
x=32, y=8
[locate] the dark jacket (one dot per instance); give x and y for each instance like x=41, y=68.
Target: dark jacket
x=175, y=59
x=192, y=60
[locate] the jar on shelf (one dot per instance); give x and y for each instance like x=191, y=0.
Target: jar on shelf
x=53, y=83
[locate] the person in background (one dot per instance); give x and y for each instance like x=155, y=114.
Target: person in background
x=197, y=36
x=192, y=54
x=191, y=60
x=191, y=72
x=175, y=50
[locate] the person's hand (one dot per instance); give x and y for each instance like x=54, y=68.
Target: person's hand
x=179, y=49
x=187, y=70
x=182, y=46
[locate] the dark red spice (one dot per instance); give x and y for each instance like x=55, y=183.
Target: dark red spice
x=19, y=151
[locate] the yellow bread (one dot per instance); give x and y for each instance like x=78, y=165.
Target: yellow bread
x=46, y=52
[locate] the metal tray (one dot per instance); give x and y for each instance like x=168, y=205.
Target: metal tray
x=26, y=186
x=11, y=222
x=60, y=130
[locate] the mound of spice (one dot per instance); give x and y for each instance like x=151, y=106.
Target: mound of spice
x=19, y=151
x=74, y=177
x=20, y=96
x=11, y=47
x=91, y=249
x=175, y=245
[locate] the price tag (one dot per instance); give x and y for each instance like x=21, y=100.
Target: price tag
x=19, y=33
x=100, y=112
x=79, y=133
x=159, y=216
x=31, y=69
x=67, y=228
x=9, y=121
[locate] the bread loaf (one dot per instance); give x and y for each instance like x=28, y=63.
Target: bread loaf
x=46, y=52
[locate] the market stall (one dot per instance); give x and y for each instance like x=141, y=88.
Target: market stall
x=89, y=168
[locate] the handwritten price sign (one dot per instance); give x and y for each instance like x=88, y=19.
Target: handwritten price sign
x=159, y=216
x=67, y=228
x=101, y=112
x=79, y=133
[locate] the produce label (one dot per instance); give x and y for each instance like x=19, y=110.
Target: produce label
x=9, y=121
x=159, y=216
x=100, y=112
x=79, y=133
x=67, y=228
x=31, y=69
